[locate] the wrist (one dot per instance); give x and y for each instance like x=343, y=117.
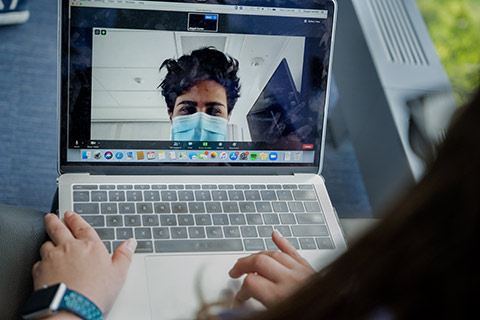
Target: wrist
x=63, y=315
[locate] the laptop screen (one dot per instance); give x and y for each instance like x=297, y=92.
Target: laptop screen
x=149, y=83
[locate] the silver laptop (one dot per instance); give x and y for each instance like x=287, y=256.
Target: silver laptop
x=198, y=128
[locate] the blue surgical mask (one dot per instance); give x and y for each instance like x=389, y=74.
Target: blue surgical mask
x=199, y=127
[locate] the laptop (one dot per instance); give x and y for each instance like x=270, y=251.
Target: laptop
x=202, y=170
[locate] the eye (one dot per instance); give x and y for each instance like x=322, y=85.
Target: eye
x=215, y=111
x=187, y=110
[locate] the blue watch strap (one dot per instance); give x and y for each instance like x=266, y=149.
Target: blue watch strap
x=80, y=305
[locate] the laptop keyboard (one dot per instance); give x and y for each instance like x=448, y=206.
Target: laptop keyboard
x=203, y=218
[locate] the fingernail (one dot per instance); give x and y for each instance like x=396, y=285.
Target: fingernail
x=278, y=232
x=68, y=214
x=48, y=215
x=131, y=244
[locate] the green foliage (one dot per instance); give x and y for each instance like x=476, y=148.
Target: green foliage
x=455, y=29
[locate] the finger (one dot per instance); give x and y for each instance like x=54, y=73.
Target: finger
x=57, y=231
x=259, y=263
x=285, y=246
x=257, y=287
x=80, y=228
x=122, y=257
x=45, y=248
x=282, y=258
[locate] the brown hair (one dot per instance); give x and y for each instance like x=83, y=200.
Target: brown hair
x=421, y=260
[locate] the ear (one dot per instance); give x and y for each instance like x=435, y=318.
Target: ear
x=170, y=115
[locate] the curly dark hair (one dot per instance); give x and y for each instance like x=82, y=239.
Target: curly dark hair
x=203, y=64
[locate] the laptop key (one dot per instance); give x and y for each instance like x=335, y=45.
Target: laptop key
x=284, y=195
x=254, y=219
x=124, y=233
x=220, y=219
x=176, y=187
x=209, y=187
x=294, y=242
x=109, y=208
x=305, y=186
x=220, y=195
x=186, y=196
x=179, y=232
x=263, y=206
x=214, y=232
x=196, y=207
x=107, y=187
x=225, y=187
x=85, y=187
x=142, y=187
x=169, y=220
x=162, y=207
x=179, y=207
x=114, y=221
x=288, y=218
x=134, y=196
x=312, y=207
x=144, y=208
x=242, y=186
x=169, y=196
x=143, y=233
x=196, y=232
x=254, y=244
x=193, y=187
x=159, y=187
x=324, y=243
x=237, y=219
x=253, y=195
x=265, y=231
x=290, y=186
x=95, y=221
x=203, y=196
x=274, y=186
x=86, y=208
x=249, y=232
x=213, y=207
x=303, y=218
x=268, y=195
x=161, y=233
x=307, y=244
x=231, y=232
x=116, y=195
x=150, y=220
x=247, y=207
x=81, y=196
x=271, y=218
x=280, y=206
x=270, y=244
x=185, y=220
x=207, y=245
x=258, y=186
x=115, y=244
x=132, y=221
x=99, y=196
x=304, y=195
x=151, y=195
x=106, y=233
x=236, y=195
x=310, y=231
x=144, y=247
x=127, y=207
x=203, y=219
x=296, y=207
x=230, y=207
x=124, y=187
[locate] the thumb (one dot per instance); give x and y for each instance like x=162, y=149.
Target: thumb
x=122, y=257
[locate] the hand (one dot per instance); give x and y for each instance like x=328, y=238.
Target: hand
x=77, y=257
x=272, y=275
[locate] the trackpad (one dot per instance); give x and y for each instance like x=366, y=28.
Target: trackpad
x=179, y=285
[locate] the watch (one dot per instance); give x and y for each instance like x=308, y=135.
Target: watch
x=49, y=300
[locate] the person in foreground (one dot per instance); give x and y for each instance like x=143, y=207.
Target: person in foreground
x=419, y=262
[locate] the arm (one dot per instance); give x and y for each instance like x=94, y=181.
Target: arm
x=272, y=275
x=69, y=256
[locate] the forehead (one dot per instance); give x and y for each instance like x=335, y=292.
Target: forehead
x=206, y=88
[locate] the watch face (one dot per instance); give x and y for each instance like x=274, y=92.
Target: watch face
x=40, y=300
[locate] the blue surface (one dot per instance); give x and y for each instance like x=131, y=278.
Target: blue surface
x=28, y=130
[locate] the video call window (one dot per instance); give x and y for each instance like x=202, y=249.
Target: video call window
x=140, y=78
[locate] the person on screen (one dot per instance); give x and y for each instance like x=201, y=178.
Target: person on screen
x=200, y=90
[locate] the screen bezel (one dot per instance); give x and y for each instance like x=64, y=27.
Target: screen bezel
x=65, y=166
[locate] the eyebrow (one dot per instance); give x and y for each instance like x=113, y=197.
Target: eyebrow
x=194, y=104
